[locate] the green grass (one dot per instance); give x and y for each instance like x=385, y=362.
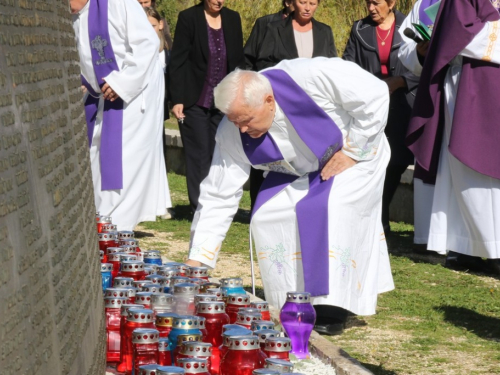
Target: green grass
x=436, y=321
x=171, y=123
x=237, y=237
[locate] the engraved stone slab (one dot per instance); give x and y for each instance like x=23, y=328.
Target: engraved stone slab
x=51, y=307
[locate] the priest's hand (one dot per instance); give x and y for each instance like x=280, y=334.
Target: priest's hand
x=336, y=165
x=422, y=48
x=109, y=93
x=178, y=111
x=193, y=263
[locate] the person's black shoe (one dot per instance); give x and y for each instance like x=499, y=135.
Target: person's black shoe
x=330, y=327
x=420, y=248
x=462, y=262
x=493, y=266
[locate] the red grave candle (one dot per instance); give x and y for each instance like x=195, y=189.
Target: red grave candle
x=101, y=220
x=145, y=346
x=234, y=303
x=133, y=269
x=245, y=318
x=107, y=240
x=181, y=339
x=194, y=366
x=196, y=349
x=164, y=352
x=263, y=306
x=112, y=308
x=136, y=318
x=278, y=347
x=243, y=356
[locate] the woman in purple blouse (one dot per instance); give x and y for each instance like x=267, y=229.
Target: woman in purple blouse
x=208, y=44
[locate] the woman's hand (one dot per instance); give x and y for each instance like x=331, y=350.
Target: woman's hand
x=395, y=83
x=336, y=165
x=178, y=111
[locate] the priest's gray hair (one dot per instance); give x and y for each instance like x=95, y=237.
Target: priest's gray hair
x=250, y=87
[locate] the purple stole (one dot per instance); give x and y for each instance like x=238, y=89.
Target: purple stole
x=104, y=62
x=323, y=137
x=474, y=136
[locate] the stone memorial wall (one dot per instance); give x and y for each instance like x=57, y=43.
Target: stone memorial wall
x=51, y=312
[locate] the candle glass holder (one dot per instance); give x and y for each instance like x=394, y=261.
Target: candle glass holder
x=297, y=318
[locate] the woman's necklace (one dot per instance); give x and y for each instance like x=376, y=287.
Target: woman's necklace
x=382, y=40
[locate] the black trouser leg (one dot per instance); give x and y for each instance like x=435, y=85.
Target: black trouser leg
x=198, y=139
x=256, y=180
x=392, y=178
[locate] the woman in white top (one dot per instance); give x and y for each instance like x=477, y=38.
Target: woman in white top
x=299, y=35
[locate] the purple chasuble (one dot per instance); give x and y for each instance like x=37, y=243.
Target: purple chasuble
x=422, y=16
x=323, y=137
x=474, y=138
x=104, y=62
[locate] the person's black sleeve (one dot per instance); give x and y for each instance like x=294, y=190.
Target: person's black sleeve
x=350, y=48
x=179, y=60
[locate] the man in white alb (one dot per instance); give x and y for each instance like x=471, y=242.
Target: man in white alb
x=316, y=126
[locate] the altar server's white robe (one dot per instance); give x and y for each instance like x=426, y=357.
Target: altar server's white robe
x=141, y=84
x=466, y=206
x=359, y=262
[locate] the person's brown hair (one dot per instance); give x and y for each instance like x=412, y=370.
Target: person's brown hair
x=153, y=13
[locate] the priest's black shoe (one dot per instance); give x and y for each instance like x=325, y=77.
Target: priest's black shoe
x=330, y=327
x=462, y=262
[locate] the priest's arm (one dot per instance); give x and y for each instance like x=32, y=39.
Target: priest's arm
x=484, y=46
x=220, y=194
x=142, y=44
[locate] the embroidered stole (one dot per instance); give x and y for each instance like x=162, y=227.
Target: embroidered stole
x=323, y=137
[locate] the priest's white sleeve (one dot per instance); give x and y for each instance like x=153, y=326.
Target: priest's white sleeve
x=220, y=194
x=485, y=45
x=408, y=50
x=142, y=52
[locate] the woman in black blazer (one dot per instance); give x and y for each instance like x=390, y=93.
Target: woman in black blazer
x=369, y=38
x=208, y=44
x=291, y=37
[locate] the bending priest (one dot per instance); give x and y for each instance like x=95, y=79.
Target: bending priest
x=316, y=125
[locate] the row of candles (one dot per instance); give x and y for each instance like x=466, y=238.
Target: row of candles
x=170, y=319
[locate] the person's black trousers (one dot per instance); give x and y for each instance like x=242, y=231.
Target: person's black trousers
x=392, y=178
x=198, y=139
